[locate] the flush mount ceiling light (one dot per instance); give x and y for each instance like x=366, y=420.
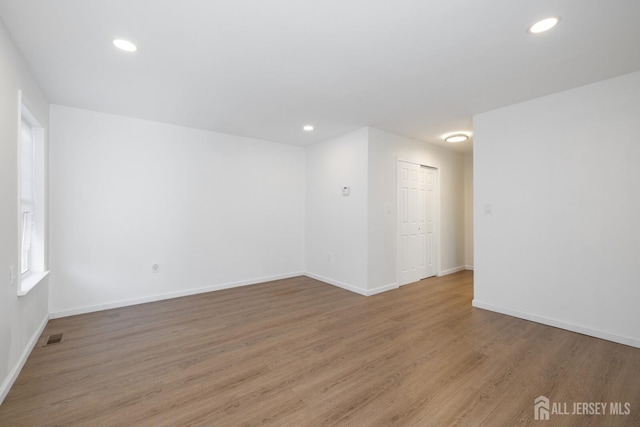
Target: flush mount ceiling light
x=125, y=45
x=544, y=25
x=308, y=128
x=456, y=137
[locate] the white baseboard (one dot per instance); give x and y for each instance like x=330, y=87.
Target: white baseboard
x=450, y=271
x=380, y=289
x=337, y=283
x=633, y=342
x=160, y=297
x=357, y=290
x=13, y=375
x=468, y=267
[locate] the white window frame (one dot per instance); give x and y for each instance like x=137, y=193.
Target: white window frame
x=32, y=203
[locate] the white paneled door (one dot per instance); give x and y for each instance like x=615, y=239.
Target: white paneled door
x=416, y=222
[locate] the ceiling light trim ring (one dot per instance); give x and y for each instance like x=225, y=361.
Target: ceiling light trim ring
x=457, y=137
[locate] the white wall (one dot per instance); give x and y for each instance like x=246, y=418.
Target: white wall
x=336, y=225
x=468, y=211
x=212, y=210
x=563, y=242
x=384, y=150
x=21, y=318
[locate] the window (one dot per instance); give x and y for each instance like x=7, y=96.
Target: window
x=27, y=194
x=32, y=202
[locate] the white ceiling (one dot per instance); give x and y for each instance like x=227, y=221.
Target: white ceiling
x=264, y=68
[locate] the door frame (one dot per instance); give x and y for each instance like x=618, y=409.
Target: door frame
x=436, y=225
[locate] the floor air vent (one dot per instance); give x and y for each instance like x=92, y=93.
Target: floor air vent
x=54, y=339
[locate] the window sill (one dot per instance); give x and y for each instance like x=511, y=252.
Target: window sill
x=30, y=280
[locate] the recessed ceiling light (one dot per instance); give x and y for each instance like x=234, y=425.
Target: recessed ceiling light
x=544, y=25
x=125, y=45
x=308, y=128
x=456, y=137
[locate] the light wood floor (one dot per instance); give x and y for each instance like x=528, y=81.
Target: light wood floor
x=298, y=352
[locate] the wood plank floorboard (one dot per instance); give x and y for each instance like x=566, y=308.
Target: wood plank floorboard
x=298, y=352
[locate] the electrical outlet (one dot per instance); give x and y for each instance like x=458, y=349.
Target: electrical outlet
x=12, y=275
x=329, y=258
x=155, y=268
